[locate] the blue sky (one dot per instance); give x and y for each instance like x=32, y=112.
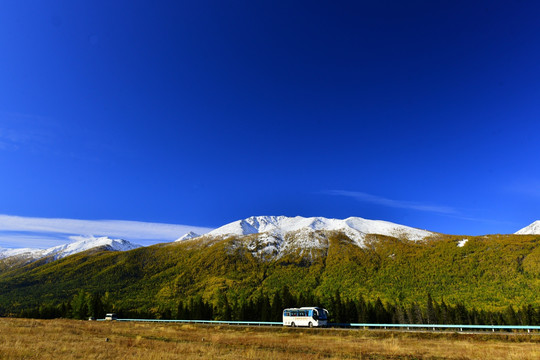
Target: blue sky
x=200, y=113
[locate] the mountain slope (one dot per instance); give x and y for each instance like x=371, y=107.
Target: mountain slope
x=486, y=272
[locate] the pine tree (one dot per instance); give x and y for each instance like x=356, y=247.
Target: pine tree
x=399, y=315
x=95, y=305
x=526, y=315
x=107, y=302
x=223, y=309
x=287, y=299
x=181, y=313
x=461, y=315
x=337, y=308
x=381, y=316
x=244, y=310
x=362, y=310
x=510, y=316
x=415, y=314
x=265, y=310
x=437, y=309
x=431, y=316
x=444, y=317
x=350, y=312
x=79, y=305
x=277, y=308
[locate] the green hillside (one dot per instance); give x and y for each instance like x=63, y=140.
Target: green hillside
x=488, y=273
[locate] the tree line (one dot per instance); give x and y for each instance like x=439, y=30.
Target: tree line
x=264, y=307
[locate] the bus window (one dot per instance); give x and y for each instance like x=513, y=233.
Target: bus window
x=321, y=314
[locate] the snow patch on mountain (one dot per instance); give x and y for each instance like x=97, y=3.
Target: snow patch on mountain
x=533, y=229
x=271, y=245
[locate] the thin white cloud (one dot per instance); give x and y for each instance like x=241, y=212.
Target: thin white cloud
x=9, y=239
x=399, y=204
x=26, y=131
x=42, y=232
x=526, y=187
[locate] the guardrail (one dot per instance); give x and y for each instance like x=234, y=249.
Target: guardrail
x=432, y=327
x=217, y=322
x=443, y=326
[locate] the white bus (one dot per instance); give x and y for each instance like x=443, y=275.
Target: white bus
x=305, y=316
x=111, y=317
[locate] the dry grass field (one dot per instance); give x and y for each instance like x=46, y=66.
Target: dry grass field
x=71, y=339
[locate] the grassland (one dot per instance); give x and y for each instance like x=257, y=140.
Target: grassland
x=72, y=339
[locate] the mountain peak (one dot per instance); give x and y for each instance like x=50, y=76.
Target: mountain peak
x=354, y=227
x=187, y=236
x=82, y=243
x=531, y=229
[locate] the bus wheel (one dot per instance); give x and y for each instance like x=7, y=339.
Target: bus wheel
x=293, y=324
x=310, y=324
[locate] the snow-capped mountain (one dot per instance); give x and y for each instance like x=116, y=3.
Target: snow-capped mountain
x=275, y=235
x=263, y=235
x=187, y=236
x=355, y=227
x=80, y=244
x=532, y=229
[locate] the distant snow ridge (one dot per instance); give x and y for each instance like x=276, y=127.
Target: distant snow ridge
x=189, y=235
x=533, y=229
x=278, y=233
x=86, y=243
x=79, y=245
x=22, y=252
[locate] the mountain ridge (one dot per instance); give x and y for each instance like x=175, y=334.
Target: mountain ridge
x=259, y=224
x=28, y=255
x=270, y=237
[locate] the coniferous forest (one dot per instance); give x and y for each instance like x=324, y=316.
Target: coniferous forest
x=85, y=305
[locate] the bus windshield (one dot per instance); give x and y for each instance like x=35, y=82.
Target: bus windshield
x=320, y=313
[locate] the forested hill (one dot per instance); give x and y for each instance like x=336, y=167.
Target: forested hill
x=488, y=273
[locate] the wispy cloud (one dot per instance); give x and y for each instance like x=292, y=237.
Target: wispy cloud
x=23, y=239
x=399, y=204
x=527, y=187
x=18, y=131
x=18, y=231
